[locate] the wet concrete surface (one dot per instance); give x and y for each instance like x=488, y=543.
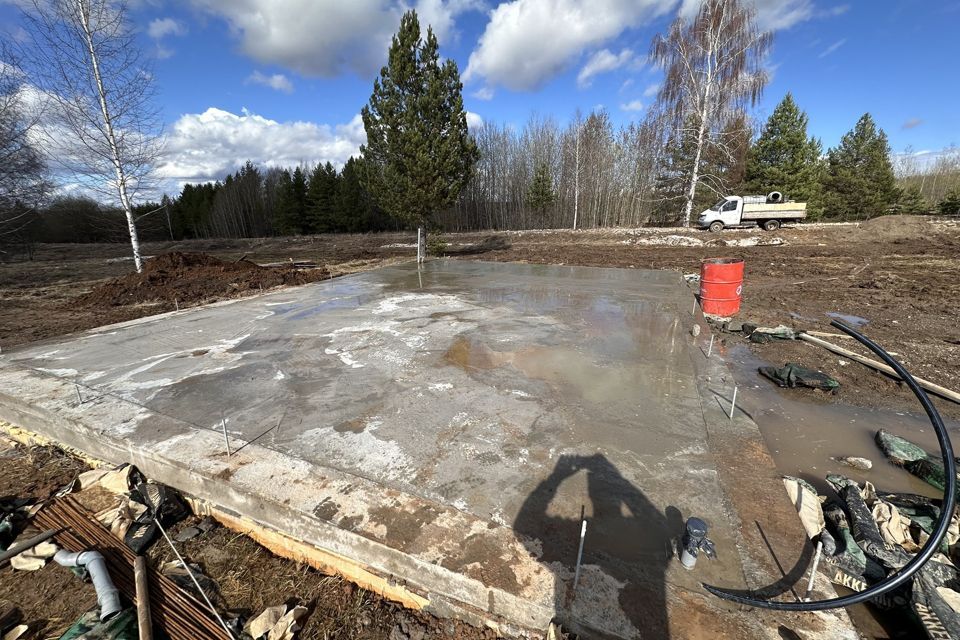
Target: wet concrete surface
x=459, y=416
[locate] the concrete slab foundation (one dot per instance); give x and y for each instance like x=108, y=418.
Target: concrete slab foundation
x=443, y=428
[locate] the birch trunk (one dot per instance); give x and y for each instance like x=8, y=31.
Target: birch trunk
x=111, y=137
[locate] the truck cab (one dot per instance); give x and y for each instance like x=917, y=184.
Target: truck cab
x=724, y=214
x=768, y=211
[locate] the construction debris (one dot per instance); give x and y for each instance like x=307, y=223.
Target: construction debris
x=869, y=534
x=879, y=366
x=863, y=464
x=33, y=558
x=793, y=375
x=276, y=623
x=90, y=627
x=913, y=458
x=178, y=613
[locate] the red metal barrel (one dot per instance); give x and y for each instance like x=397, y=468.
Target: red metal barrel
x=721, y=283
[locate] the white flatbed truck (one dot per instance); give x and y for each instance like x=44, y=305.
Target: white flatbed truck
x=768, y=211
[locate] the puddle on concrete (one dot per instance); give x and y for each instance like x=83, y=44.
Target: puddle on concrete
x=805, y=433
x=566, y=369
x=854, y=321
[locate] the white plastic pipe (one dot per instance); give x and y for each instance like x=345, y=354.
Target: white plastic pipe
x=108, y=597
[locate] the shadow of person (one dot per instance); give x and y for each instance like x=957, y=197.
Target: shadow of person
x=628, y=539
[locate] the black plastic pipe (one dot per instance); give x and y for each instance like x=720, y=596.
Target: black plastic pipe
x=933, y=543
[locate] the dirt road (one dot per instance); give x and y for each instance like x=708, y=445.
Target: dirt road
x=900, y=275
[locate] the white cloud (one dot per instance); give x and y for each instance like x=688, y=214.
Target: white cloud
x=602, y=61
x=836, y=45
x=912, y=123
x=276, y=81
x=442, y=15
x=527, y=42
x=651, y=90
x=633, y=105
x=773, y=15
x=209, y=145
x=835, y=11
x=327, y=37
x=474, y=121
x=162, y=28
x=483, y=93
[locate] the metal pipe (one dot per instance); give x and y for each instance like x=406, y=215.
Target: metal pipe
x=906, y=573
x=30, y=543
x=733, y=403
x=186, y=568
x=108, y=596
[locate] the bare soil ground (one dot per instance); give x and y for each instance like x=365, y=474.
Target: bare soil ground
x=901, y=274
x=52, y=598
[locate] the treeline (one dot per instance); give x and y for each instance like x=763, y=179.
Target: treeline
x=587, y=174
x=256, y=203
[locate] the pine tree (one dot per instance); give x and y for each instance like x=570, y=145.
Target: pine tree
x=785, y=159
x=322, y=213
x=950, y=205
x=859, y=181
x=541, y=195
x=911, y=201
x=299, y=194
x=288, y=221
x=352, y=202
x=419, y=151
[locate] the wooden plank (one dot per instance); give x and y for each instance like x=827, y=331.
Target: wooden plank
x=943, y=392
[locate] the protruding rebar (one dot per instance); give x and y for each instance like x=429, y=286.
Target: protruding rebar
x=576, y=573
x=733, y=403
x=710, y=348
x=226, y=438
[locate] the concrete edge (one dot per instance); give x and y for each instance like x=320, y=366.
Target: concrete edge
x=438, y=590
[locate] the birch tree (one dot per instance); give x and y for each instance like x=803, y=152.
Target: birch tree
x=713, y=67
x=102, y=126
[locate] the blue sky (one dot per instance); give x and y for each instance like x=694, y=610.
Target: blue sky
x=282, y=81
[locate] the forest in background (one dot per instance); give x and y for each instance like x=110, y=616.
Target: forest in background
x=532, y=178
x=691, y=148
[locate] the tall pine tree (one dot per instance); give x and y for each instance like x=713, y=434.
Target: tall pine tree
x=859, y=181
x=322, y=212
x=419, y=152
x=785, y=159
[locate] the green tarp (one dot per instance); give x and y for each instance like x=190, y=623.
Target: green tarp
x=122, y=627
x=793, y=375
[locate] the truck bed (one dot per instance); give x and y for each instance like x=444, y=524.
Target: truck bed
x=780, y=211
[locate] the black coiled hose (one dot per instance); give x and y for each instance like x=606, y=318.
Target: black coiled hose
x=933, y=543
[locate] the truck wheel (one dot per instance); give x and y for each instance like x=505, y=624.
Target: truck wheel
x=716, y=226
x=771, y=225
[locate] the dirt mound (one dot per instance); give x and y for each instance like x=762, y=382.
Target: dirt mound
x=189, y=278
x=892, y=227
